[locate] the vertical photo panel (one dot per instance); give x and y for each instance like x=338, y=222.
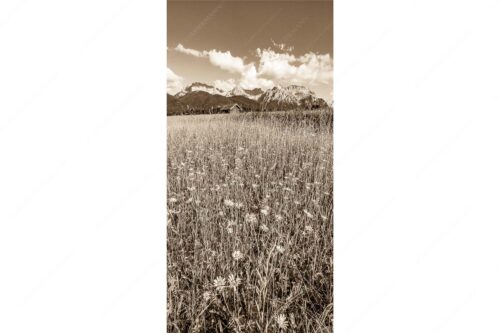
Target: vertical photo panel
x=249, y=166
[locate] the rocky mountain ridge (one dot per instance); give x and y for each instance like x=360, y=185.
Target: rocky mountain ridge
x=201, y=98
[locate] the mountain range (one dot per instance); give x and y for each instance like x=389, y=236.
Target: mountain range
x=201, y=98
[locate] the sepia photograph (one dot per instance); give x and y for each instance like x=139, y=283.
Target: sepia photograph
x=250, y=166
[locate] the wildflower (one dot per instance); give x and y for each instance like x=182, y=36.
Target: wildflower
x=229, y=230
x=264, y=228
x=308, y=229
x=219, y=283
x=278, y=218
x=251, y=218
x=280, y=249
x=231, y=223
x=191, y=189
x=255, y=185
x=282, y=322
x=309, y=215
x=207, y=295
x=233, y=281
x=228, y=203
x=238, y=204
x=265, y=211
x=221, y=213
x=172, y=200
x=237, y=255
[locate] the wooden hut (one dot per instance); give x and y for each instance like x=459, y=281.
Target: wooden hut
x=234, y=108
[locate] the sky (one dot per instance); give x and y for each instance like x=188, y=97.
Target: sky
x=252, y=44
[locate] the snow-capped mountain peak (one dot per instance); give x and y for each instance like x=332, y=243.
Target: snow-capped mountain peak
x=238, y=91
x=289, y=97
x=292, y=97
x=198, y=86
x=290, y=94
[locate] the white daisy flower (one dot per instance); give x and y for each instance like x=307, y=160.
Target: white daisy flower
x=233, y=281
x=264, y=228
x=172, y=200
x=280, y=249
x=251, y=218
x=207, y=295
x=219, y=283
x=237, y=255
x=228, y=203
x=281, y=321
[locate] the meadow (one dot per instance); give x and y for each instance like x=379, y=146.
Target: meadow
x=250, y=222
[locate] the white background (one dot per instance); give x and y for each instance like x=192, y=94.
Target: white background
x=417, y=168
x=82, y=166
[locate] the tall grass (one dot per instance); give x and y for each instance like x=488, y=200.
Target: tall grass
x=250, y=225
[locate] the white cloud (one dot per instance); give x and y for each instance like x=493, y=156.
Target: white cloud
x=174, y=82
x=250, y=79
x=192, y=52
x=273, y=67
x=223, y=60
x=226, y=61
x=282, y=46
x=309, y=69
x=276, y=65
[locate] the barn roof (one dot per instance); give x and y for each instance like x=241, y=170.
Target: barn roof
x=230, y=106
